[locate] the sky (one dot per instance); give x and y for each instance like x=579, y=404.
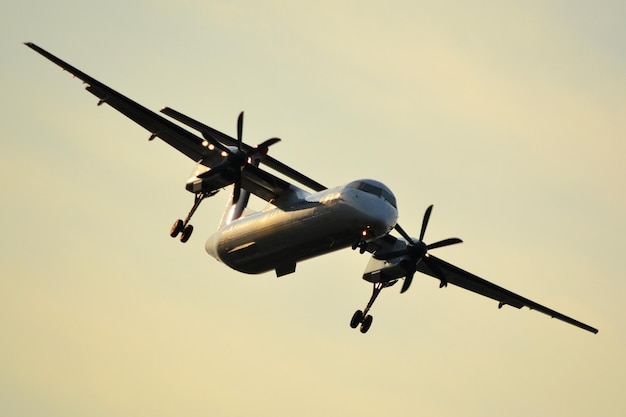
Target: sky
x=509, y=117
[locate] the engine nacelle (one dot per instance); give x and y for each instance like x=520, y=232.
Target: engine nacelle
x=378, y=270
x=207, y=180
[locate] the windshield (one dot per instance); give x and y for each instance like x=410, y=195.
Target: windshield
x=375, y=188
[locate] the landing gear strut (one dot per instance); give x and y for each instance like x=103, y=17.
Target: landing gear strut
x=183, y=228
x=361, y=317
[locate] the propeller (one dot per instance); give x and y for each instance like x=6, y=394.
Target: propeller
x=417, y=251
x=239, y=159
x=242, y=161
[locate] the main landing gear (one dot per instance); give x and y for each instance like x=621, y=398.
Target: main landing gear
x=361, y=317
x=183, y=228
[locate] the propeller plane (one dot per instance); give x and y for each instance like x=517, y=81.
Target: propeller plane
x=303, y=219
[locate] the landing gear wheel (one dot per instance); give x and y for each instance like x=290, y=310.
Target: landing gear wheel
x=367, y=322
x=184, y=237
x=356, y=319
x=177, y=227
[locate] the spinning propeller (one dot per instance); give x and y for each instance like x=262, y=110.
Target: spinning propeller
x=417, y=251
x=237, y=159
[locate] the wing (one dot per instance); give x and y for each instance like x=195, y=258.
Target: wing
x=464, y=279
x=209, y=133
x=457, y=276
x=257, y=181
x=158, y=126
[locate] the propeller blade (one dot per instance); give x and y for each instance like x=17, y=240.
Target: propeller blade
x=417, y=251
x=262, y=148
x=445, y=242
x=408, y=280
x=425, y=221
x=404, y=234
x=239, y=130
x=237, y=190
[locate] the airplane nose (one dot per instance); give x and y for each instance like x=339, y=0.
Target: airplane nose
x=376, y=214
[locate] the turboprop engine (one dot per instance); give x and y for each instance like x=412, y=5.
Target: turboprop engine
x=385, y=270
x=402, y=257
x=206, y=180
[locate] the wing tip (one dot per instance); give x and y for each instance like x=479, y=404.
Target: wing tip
x=37, y=49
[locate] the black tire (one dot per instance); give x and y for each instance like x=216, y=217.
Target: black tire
x=187, y=231
x=356, y=319
x=177, y=227
x=367, y=322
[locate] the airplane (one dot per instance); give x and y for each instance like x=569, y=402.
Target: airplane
x=303, y=219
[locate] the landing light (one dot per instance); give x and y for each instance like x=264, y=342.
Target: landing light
x=205, y=143
x=224, y=154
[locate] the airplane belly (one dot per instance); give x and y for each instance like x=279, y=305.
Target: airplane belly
x=278, y=239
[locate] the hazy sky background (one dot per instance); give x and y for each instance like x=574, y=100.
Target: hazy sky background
x=508, y=116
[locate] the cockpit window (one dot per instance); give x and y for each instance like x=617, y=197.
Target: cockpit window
x=374, y=190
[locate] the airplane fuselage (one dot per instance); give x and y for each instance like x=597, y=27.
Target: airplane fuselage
x=333, y=219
